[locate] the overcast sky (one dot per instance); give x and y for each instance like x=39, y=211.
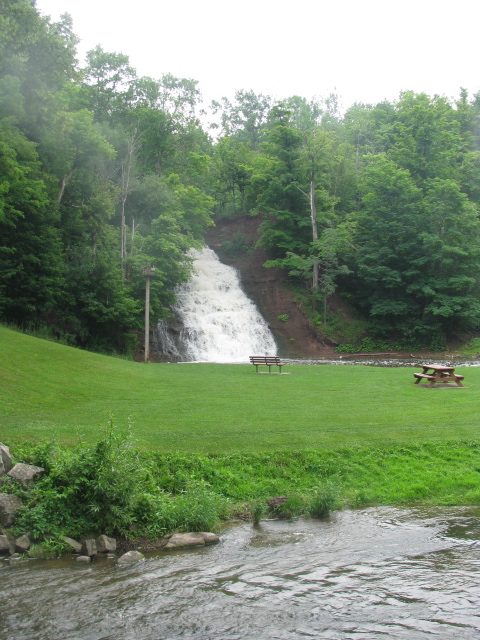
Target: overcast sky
x=363, y=50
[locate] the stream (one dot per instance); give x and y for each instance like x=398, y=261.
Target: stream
x=372, y=573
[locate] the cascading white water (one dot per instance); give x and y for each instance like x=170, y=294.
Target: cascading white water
x=220, y=323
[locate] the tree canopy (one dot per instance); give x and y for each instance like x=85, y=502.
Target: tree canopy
x=103, y=172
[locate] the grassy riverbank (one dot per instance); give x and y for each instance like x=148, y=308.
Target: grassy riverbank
x=208, y=441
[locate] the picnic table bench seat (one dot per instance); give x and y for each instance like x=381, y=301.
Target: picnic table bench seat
x=419, y=377
x=267, y=361
x=433, y=378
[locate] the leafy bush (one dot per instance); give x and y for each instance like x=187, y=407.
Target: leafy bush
x=322, y=501
x=236, y=246
x=471, y=349
x=84, y=489
x=257, y=510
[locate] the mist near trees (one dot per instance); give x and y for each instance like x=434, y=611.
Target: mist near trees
x=103, y=172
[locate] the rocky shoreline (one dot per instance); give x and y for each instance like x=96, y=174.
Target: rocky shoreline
x=124, y=550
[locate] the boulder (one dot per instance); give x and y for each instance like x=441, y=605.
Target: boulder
x=22, y=543
x=76, y=546
x=4, y=544
x=106, y=544
x=130, y=557
x=5, y=459
x=90, y=547
x=83, y=559
x=25, y=474
x=182, y=540
x=8, y=506
x=210, y=538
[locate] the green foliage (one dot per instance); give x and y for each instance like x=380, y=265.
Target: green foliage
x=102, y=172
x=106, y=488
x=257, y=509
x=323, y=500
x=284, y=317
x=312, y=483
x=292, y=507
x=366, y=345
x=52, y=547
x=471, y=349
x=235, y=247
x=85, y=488
x=73, y=152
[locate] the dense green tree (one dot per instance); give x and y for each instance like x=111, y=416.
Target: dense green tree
x=30, y=251
x=109, y=78
x=246, y=118
x=232, y=162
x=418, y=255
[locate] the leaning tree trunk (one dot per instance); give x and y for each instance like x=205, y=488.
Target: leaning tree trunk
x=313, y=215
x=63, y=184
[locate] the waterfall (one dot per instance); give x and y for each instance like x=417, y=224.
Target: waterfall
x=220, y=323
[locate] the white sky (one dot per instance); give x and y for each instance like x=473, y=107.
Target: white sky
x=364, y=50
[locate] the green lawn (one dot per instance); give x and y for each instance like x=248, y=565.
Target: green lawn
x=51, y=391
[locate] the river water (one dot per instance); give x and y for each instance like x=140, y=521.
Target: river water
x=373, y=573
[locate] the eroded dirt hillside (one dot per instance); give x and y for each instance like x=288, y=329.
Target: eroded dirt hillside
x=268, y=288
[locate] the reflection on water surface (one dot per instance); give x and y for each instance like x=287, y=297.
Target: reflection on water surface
x=374, y=573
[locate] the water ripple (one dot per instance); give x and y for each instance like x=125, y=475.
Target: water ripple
x=375, y=573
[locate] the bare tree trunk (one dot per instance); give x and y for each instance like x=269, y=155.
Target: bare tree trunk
x=126, y=174
x=65, y=181
x=124, y=237
x=313, y=214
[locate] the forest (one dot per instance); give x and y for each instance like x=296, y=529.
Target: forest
x=103, y=172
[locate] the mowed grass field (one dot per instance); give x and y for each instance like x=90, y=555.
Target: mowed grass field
x=49, y=391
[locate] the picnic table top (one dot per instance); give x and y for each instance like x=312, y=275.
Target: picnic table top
x=438, y=367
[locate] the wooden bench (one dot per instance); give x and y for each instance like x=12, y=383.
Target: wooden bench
x=419, y=377
x=267, y=361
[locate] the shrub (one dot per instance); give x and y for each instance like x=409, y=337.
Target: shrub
x=322, y=501
x=84, y=489
x=257, y=510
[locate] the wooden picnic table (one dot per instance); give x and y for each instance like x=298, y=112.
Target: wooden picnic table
x=436, y=373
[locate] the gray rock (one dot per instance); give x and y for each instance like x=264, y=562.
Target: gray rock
x=5, y=459
x=83, y=559
x=76, y=546
x=25, y=474
x=90, y=547
x=22, y=543
x=4, y=544
x=210, y=538
x=130, y=557
x=106, y=544
x=9, y=505
x=179, y=540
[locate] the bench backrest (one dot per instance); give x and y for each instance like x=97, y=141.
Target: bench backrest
x=265, y=360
